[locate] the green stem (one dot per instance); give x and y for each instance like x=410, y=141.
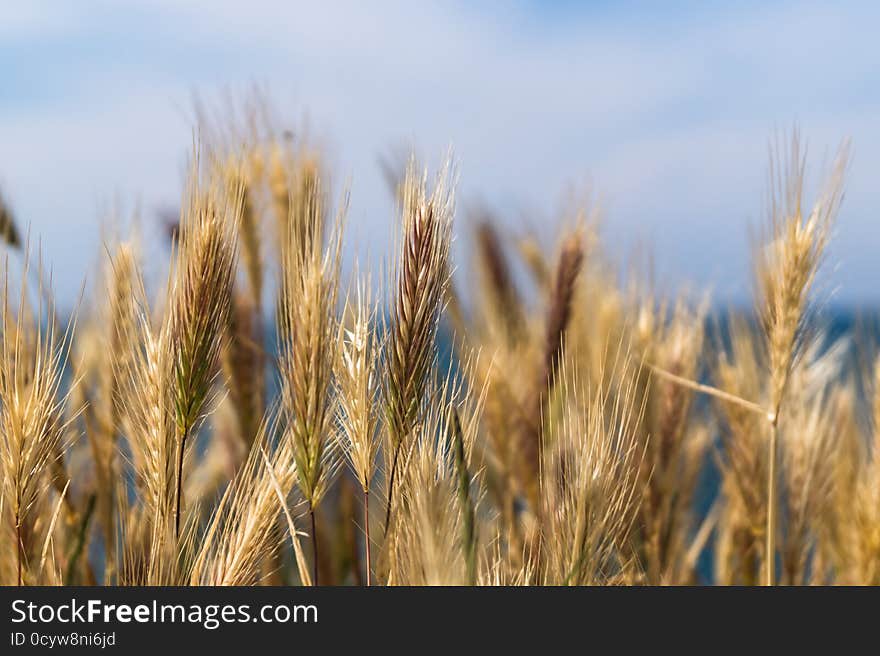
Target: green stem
x=179, y=483
x=464, y=495
x=81, y=535
x=391, y=487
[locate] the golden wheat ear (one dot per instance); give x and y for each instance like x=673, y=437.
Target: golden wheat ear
x=590, y=478
x=148, y=423
x=241, y=533
x=357, y=388
x=241, y=177
x=32, y=430
x=243, y=356
x=103, y=364
x=810, y=437
x=788, y=260
x=676, y=433
x=199, y=306
x=308, y=334
x=435, y=540
x=785, y=270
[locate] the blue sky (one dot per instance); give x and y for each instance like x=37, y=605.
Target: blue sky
x=666, y=113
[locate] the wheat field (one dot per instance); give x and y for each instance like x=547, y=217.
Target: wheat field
x=267, y=416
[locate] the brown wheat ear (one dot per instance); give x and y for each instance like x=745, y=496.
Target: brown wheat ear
x=8, y=231
x=421, y=280
x=559, y=310
x=502, y=297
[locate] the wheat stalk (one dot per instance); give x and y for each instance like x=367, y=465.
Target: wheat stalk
x=241, y=533
x=421, y=281
x=559, y=311
x=199, y=301
x=308, y=332
x=785, y=269
x=31, y=426
x=358, y=394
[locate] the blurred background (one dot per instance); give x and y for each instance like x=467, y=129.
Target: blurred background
x=664, y=110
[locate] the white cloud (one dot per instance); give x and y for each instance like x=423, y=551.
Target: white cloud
x=669, y=116
x=36, y=18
